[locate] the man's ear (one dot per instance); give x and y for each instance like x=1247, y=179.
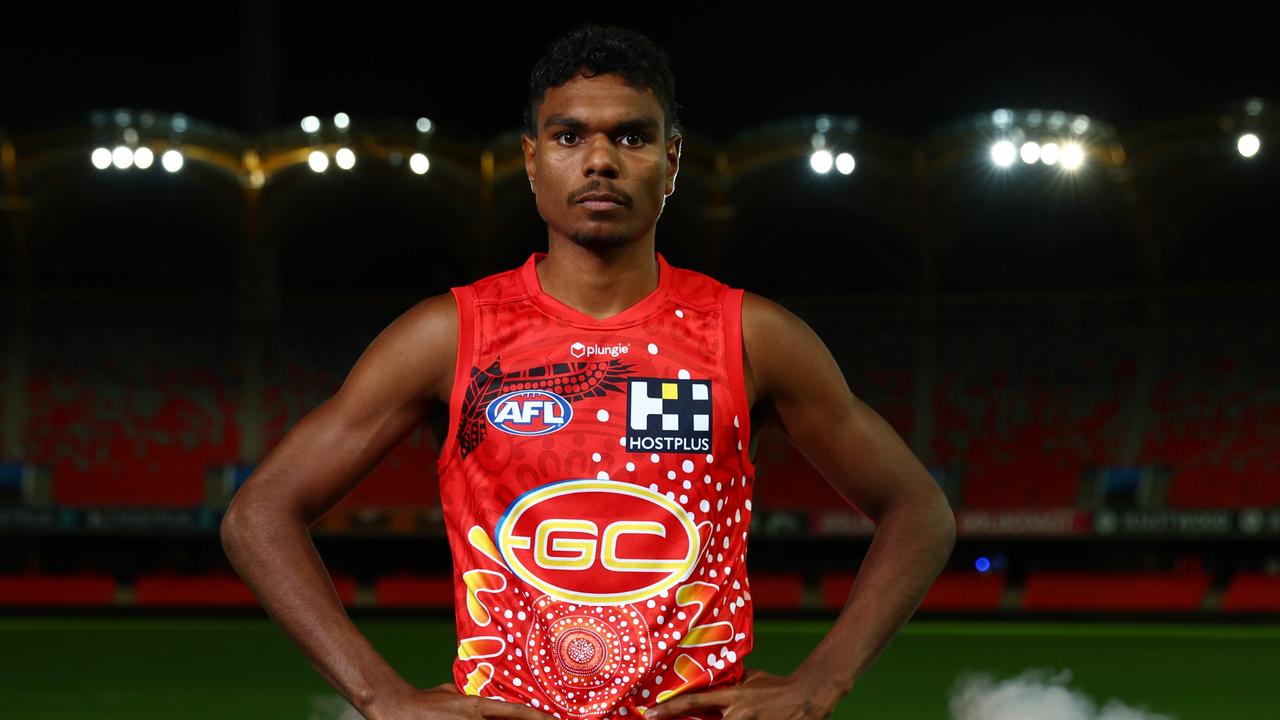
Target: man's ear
x=530, y=147
x=674, y=146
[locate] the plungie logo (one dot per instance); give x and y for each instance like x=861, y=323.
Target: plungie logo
x=579, y=350
x=598, y=542
x=529, y=412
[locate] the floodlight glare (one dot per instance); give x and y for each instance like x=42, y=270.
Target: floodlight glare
x=1248, y=145
x=1072, y=156
x=1049, y=153
x=101, y=158
x=341, y=121
x=318, y=161
x=844, y=163
x=143, y=157
x=345, y=158
x=122, y=157
x=821, y=161
x=1030, y=152
x=419, y=163
x=310, y=124
x=1003, y=153
x=171, y=160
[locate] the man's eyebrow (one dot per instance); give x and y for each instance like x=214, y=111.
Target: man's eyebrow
x=630, y=124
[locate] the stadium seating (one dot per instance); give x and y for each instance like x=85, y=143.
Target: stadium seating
x=1252, y=592
x=212, y=590
x=776, y=591
x=951, y=591
x=405, y=590
x=77, y=590
x=1116, y=591
x=131, y=414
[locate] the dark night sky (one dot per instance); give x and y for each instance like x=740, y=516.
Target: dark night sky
x=908, y=71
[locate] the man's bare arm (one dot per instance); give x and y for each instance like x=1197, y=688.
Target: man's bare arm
x=403, y=375
x=867, y=462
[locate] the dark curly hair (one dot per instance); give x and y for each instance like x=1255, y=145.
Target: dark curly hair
x=599, y=50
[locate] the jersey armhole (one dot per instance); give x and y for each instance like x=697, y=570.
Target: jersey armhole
x=465, y=299
x=737, y=376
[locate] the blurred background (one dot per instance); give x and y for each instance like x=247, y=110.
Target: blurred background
x=1042, y=246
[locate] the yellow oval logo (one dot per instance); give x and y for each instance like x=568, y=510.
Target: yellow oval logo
x=598, y=542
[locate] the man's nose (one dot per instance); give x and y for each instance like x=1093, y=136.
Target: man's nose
x=602, y=157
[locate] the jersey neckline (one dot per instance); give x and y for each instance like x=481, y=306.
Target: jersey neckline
x=642, y=309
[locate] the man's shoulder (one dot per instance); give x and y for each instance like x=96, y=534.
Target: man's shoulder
x=496, y=287
x=696, y=288
x=762, y=314
x=429, y=327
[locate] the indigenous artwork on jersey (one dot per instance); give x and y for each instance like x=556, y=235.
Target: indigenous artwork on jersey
x=597, y=495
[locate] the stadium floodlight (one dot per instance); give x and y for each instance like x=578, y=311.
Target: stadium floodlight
x=1248, y=145
x=419, y=163
x=1049, y=153
x=424, y=125
x=1072, y=156
x=101, y=158
x=345, y=158
x=318, y=161
x=845, y=163
x=341, y=121
x=122, y=157
x=821, y=161
x=171, y=160
x=1030, y=152
x=1003, y=153
x=310, y=124
x=143, y=158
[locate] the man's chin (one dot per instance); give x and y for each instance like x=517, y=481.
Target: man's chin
x=599, y=241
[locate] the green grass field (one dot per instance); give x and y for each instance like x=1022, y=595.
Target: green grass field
x=221, y=668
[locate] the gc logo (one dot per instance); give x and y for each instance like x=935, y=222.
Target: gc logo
x=598, y=542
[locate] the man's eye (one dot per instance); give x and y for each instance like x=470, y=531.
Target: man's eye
x=639, y=137
x=563, y=134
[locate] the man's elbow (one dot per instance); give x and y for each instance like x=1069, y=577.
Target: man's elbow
x=234, y=526
x=229, y=529
x=944, y=519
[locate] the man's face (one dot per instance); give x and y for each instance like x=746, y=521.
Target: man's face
x=599, y=135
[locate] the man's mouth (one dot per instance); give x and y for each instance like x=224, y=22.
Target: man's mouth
x=600, y=204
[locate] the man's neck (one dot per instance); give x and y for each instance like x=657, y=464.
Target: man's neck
x=600, y=284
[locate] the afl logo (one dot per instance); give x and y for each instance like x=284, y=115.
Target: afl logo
x=598, y=542
x=529, y=412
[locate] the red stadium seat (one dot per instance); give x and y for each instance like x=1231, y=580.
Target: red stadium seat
x=953, y=590
x=776, y=591
x=1114, y=591
x=214, y=590
x=167, y=590
x=413, y=591
x=1252, y=592
x=87, y=589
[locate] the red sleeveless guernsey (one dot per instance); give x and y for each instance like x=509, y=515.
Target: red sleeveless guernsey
x=596, y=491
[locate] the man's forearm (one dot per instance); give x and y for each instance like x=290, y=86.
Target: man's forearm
x=910, y=548
x=275, y=556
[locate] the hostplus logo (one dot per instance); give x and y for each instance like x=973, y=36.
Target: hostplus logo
x=579, y=350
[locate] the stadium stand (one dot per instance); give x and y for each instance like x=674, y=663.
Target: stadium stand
x=1047, y=590
x=131, y=414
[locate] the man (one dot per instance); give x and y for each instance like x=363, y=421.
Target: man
x=596, y=477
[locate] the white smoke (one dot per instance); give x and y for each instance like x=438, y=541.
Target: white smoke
x=1034, y=694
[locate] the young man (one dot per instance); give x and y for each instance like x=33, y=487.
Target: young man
x=596, y=479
